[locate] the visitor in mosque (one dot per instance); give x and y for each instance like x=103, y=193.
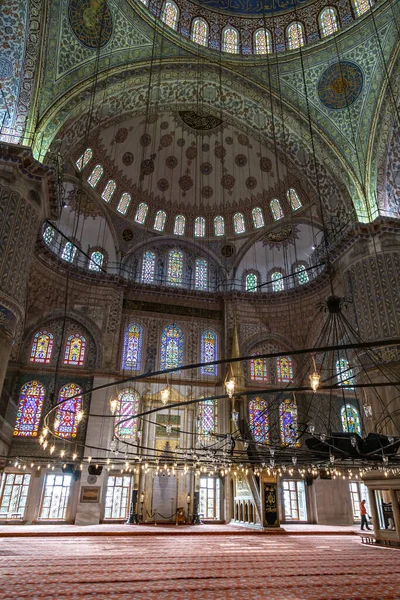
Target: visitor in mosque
x=364, y=514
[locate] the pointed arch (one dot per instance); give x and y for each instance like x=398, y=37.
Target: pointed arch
x=251, y=282
x=293, y=199
x=75, y=349
x=84, y=159
x=96, y=261
x=207, y=417
x=42, y=347
x=262, y=41
x=159, y=221
x=109, y=190
x=295, y=35
x=124, y=203
x=259, y=419
x=230, y=40
x=199, y=227
x=258, y=217
x=362, y=6
x=350, y=419
x=209, y=352
x=172, y=347
x=219, y=226
x=328, y=21
x=29, y=410
x=48, y=234
x=284, y=369
x=277, y=281
x=238, y=223
x=69, y=252
x=127, y=408
x=95, y=176
x=175, y=267
x=288, y=422
x=302, y=274
x=65, y=421
x=258, y=369
x=200, y=31
x=170, y=14
x=141, y=213
x=132, y=350
x=179, y=227
x=276, y=209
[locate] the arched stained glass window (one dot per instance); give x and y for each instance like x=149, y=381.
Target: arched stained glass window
x=179, y=227
x=344, y=373
x=148, y=267
x=75, y=350
x=207, y=417
x=109, y=190
x=219, y=226
x=361, y=6
x=230, y=40
x=170, y=14
x=124, y=203
x=293, y=199
x=48, y=234
x=350, y=419
x=258, y=218
x=238, y=223
x=277, y=281
x=65, y=421
x=209, y=352
x=288, y=422
x=132, y=351
x=159, y=221
x=68, y=252
x=201, y=274
x=302, y=274
x=258, y=369
x=251, y=282
x=95, y=176
x=127, y=408
x=84, y=159
x=175, y=267
x=141, y=213
x=295, y=36
x=96, y=260
x=172, y=345
x=284, y=370
x=328, y=21
x=262, y=42
x=200, y=32
x=30, y=406
x=258, y=420
x=276, y=209
x=42, y=347
x=199, y=227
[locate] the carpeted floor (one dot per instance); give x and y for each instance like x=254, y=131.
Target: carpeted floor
x=197, y=567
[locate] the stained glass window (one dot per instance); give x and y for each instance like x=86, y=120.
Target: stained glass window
x=201, y=274
x=251, y=282
x=302, y=274
x=170, y=14
x=361, y=6
x=350, y=419
x=95, y=175
x=179, y=227
x=141, y=213
x=13, y=495
x=207, y=417
x=258, y=218
x=199, y=227
x=109, y=190
x=175, y=267
x=128, y=406
x=148, y=267
x=96, y=261
x=284, y=371
x=258, y=420
x=84, y=159
x=262, y=42
x=42, y=347
x=132, y=351
x=230, y=40
x=200, y=32
x=293, y=198
x=277, y=281
x=159, y=221
x=75, y=350
x=288, y=422
x=276, y=209
x=219, y=226
x=344, y=373
x=258, y=369
x=68, y=252
x=172, y=343
x=30, y=406
x=48, y=234
x=295, y=36
x=328, y=21
x=65, y=421
x=124, y=203
x=238, y=223
x=209, y=352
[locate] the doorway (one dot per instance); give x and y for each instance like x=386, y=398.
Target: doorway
x=294, y=500
x=210, y=498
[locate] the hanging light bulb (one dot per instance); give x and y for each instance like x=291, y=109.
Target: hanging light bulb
x=314, y=381
x=79, y=416
x=114, y=445
x=294, y=460
x=353, y=441
x=322, y=437
x=367, y=410
x=52, y=449
x=230, y=387
x=45, y=431
x=89, y=459
x=311, y=428
x=165, y=393
x=113, y=405
x=62, y=453
x=45, y=444
x=235, y=416
x=332, y=459
x=74, y=456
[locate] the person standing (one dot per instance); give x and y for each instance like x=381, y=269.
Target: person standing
x=363, y=512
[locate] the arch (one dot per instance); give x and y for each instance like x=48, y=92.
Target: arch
x=295, y=35
x=179, y=227
x=124, y=203
x=109, y=190
x=170, y=14
x=276, y=209
x=75, y=348
x=362, y=6
x=199, y=227
x=201, y=274
x=48, y=235
x=95, y=176
x=175, y=267
x=96, y=261
x=200, y=31
x=350, y=419
x=258, y=217
x=65, y=421
x=132, y=350
x=30, y=406
x=219, y=226
x=293, y=199
x=230, y=40
x=209, y=352
x=284, y=369
x=302, y=274
x=84, y=159
x=288, y=422
x=141, y=213
x=207, y=417
x=148, y=267
x=238, y=223
x=251, y=282
x=259, y=419
x=42, y=347
x=127, y=407
x=278, y=284
x=344, y=373
x=69, y=252
x=159, y=221
x=258, y=369
x=262, y=41
x=328, y=21
x=172, y=347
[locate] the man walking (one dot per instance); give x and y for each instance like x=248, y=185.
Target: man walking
x=363, y=512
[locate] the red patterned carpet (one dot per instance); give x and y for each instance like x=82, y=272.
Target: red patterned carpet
x=242, y=567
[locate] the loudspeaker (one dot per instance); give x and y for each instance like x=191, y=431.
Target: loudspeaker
x=95, y=470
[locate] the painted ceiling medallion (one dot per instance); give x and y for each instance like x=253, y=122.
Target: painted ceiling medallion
x=252, y=7
x=340, y=85
x=91, y=22
x=198, y=121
